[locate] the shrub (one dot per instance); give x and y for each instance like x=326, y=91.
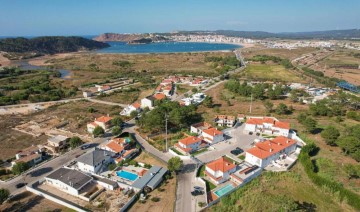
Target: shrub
x=155, y=199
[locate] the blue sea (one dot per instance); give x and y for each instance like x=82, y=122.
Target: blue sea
x=166, y=47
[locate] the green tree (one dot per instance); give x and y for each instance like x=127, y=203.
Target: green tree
x=268, y=105
x=349, y=144
x=175, y=164
x=116, y=121
x=75, y=142
x=208, y=102
x=98, y=131
x=133, y=114
x=301, y=117
x=91, y=110
x=4, y=194
x=282, y=109
x=111, y=166
x=116, y=131
x=19, y=168
x=352, y=171
x=194, y=90
x=310, y=124
x=330, y=134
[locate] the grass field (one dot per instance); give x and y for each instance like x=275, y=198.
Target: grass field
x=269, y=72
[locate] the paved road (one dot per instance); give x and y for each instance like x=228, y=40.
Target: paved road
x=42, y=103
x=45, y=169
x=105, y=102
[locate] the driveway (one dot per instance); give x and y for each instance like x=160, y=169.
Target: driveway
x=235, y=138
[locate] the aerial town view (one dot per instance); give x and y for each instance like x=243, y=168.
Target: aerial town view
x=184, y=106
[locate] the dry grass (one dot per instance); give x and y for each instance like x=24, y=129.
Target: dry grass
x=149, y=159
x=166, y=193
x=27, y=201
x=283, y=53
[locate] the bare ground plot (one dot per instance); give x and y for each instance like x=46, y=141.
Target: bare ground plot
x=283, y=53
x=27, y=201
x=125, y=96
x=12, y=141
x=77, y=114
x=149, y=159
x=166, y=195
x=340, y=57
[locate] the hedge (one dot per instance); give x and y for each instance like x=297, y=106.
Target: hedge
x=352, y=198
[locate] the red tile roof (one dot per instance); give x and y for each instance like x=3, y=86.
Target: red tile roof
x=221, y=164
x=136, y=105
x=115, y=147
x=267, y=148
x=159, y=96
x=103, y=119
x=282, y=125
x=254, y=121
x=212, y=132
x=184, y=149
x=190, y=140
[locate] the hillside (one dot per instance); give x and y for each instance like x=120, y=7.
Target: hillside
x=49, y=44
x=130, y=38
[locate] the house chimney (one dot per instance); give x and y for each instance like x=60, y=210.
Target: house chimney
x=107, y=115
x=271, y=150
x=287, y=141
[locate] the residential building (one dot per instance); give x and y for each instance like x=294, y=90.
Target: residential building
x=31, y=155
x=267, y=125
x=68, y=180
x=152, y=178
x=188, y=145
x=266, y=152
x=212, y=135
x=95, y=161
x=130, y=108
x=57, y=143
x=199, y=127
x=149, y=101
x=219, y=170
x=225, y=121
x=241, y=117
x=103, y=121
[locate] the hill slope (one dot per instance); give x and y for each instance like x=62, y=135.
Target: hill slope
x=49, y=44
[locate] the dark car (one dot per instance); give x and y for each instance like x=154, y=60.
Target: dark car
x=20, y=185
x=85, y=146
x=236, y=151
x=198, y=188
x=197, y=192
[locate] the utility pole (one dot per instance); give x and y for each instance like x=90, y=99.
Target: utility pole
x=251, y=103
x=166, y=134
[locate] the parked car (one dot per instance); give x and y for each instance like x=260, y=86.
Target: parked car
x=198, y=188
x=197, y=192
x=85, y=146
x=20, y=185
x=236, y=151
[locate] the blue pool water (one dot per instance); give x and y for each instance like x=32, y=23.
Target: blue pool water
x=127, y=175
x=224, y=190
x=166, y=47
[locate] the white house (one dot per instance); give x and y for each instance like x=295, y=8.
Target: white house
x=223, y=120
x=31, y=155
x=212, y=135
x=130, y=108
x=199, y=127
x=95, y=161
x=149, y=101
x=189, y=144
x=68, y=180
x=219, y=170
x=264, y=153
x=267, y=125
x=103, y=121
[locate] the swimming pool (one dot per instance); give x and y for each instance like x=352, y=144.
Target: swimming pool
x=224, y=190
x=127, y=175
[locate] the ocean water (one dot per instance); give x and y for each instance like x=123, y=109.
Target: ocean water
x=166, y=47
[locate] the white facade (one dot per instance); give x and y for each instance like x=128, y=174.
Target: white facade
x=213, y=139
x=145, y=102
x=224, y=176
x=252, y=159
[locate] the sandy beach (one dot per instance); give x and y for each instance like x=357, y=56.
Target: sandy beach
x=41, y=61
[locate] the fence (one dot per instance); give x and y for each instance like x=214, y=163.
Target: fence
x=128, y=204
x=54, y=198
x=180, y=156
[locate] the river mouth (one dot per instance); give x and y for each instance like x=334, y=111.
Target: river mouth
x=25, y=65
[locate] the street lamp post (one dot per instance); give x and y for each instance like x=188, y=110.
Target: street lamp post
x=166, y=134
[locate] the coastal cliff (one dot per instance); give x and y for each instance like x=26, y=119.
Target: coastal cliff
x=131, y=38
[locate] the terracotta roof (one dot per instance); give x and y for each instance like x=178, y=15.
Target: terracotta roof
x=104, y=119
x=254, y=121
x=201, y=124
x=268, y=120
x=28, y=158
x=94, y=124
x=225, y=117
x=267, y=148
x=184, y=149
x=190, y=140
x=136, y=105
x=158, y=88
x=212, y=132
x=221, y=164
x=159, y=96
x=241, y=115
x=115, y=147
x=282, y=125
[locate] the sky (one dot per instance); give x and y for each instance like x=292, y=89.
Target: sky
x=92, y=17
